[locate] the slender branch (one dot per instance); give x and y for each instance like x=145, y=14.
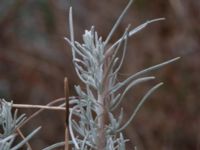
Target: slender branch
x=23, y=137
x=38, y=107
x=66, y=91
x=40, y=110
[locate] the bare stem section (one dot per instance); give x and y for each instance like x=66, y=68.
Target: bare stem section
x=101, y=139
x=66, y=92
x=38, y=107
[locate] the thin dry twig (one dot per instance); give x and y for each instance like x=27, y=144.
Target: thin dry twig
x=66, y=91
x=38, y=107
x=40, y=110
x=23, y=137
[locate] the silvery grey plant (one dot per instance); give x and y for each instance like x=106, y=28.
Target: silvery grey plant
x=93, y=124
x=9, y=125
x=97, y=66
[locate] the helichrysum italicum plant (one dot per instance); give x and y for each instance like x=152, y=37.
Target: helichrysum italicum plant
x=92, y=122
x=97, y=66
x=9, y=124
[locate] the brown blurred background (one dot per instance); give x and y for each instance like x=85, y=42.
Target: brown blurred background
x=34, y=59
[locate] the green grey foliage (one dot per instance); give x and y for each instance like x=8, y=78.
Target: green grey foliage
x=92, y=121
x=9, y=125
x=97, y=66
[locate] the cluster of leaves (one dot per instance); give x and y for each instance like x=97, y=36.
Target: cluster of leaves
x=97, y=65
x=9, y=125
x=92, y=121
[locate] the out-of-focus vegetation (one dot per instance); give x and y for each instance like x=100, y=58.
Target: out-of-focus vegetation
x=34, y=59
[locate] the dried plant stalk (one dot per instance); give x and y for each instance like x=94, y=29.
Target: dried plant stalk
x=66, y=91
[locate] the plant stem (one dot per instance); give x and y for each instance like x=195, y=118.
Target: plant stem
x=66, y=91
x=101, y=140
x=38, y=107
x=102, y=110
x=23, y=137
x=40, y=110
